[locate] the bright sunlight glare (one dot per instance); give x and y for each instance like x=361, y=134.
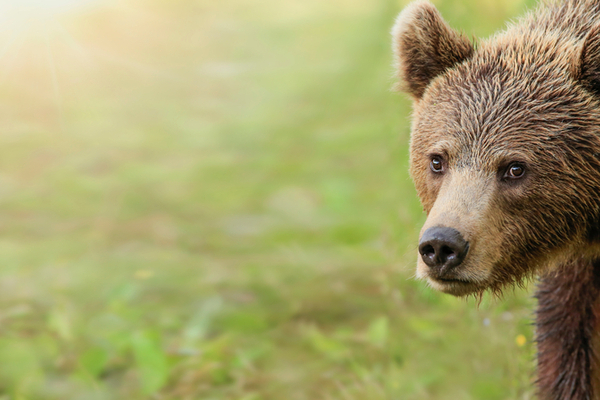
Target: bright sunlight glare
x=23, y=11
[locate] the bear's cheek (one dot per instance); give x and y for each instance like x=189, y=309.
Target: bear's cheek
x=428, y=192
x=531, y=228
x=426, y=185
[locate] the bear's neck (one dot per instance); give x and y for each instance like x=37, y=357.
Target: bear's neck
x=567, y=322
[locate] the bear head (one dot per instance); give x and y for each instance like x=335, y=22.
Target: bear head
x=505, y=148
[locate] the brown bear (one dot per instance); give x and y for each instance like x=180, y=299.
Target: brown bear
x=505, y=157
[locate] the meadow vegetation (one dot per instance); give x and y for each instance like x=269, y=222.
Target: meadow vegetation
x=210, y=200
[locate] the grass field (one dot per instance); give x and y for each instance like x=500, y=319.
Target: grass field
x=209, y=200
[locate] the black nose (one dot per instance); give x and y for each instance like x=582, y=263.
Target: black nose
x=443, y=248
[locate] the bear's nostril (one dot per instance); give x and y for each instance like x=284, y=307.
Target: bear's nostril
x=446, y=253
x=428, y=251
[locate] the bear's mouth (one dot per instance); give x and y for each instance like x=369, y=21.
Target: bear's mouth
x=447, y=276
x=453, y=286
x=451, y=280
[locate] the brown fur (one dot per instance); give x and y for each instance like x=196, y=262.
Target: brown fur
x=567, y=362
x=530, y=94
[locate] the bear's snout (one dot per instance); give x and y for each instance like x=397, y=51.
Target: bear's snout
x=442, y=249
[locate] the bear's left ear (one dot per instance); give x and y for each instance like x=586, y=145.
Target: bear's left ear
x=425, y=46
x=589, y=61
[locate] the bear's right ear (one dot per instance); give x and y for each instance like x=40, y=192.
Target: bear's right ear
x=425, y=46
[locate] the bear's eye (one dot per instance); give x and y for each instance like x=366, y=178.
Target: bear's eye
x=515, y=171
x=437, y=164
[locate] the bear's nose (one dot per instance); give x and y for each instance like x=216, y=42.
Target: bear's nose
x=442, y=248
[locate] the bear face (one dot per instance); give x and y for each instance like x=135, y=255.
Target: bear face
x=505, y=148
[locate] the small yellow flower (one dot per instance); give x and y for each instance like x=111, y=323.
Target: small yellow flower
x=521, y=340
x=142, y=274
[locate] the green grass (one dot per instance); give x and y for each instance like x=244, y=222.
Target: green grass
x=210, y=200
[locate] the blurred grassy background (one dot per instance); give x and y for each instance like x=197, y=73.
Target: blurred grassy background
x=209, y=200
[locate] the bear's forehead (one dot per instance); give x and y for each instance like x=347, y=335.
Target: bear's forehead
x=511, y=72
x=484, y=125
x=511, y=95
x=488, y=97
